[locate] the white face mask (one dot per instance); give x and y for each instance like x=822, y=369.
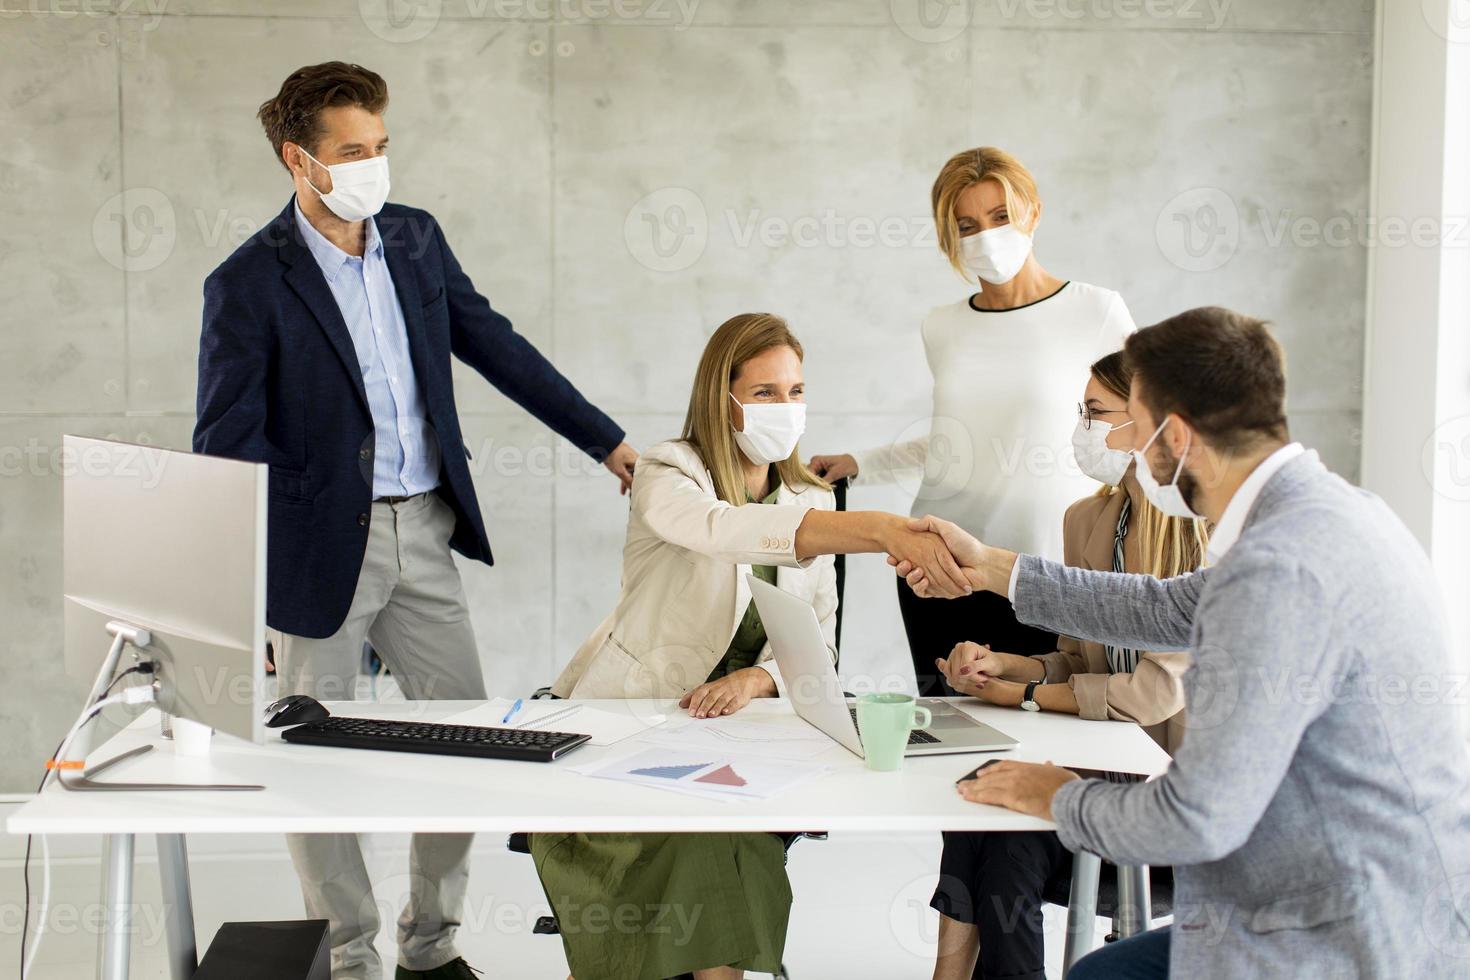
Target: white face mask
x=996, y=254
x=1095, y=457
x=771, y=431
x=359, y=187
x=1169, y=499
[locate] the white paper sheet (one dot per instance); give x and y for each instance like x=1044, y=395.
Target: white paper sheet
x=775, y=734
x=605, y=727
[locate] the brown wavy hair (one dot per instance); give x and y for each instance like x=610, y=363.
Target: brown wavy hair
x=294, y=115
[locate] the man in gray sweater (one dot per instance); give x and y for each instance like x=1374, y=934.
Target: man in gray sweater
x=1317, y=815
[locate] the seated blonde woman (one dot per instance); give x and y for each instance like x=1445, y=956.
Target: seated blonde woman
x=729, y=498
x=991, y=885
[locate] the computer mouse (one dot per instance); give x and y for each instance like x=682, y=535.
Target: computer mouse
x=294, y=709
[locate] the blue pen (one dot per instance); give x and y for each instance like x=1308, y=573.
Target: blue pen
x=513, y=709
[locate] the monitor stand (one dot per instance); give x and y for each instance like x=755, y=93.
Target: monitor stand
x=123, y=635
x=87, y=782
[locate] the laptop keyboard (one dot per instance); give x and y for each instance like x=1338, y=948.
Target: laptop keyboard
x=916, y=737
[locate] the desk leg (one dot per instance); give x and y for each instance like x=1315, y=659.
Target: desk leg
x=117, y=908
x=1081, y=908
x=178, y=906
x=1134, y=900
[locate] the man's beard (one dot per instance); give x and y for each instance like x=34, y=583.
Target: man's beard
x=1188, y=485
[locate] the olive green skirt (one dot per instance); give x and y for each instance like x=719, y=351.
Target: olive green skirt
x=651, y=906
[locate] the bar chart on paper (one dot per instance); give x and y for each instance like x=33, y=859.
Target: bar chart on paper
x=669, y=772
x=728, y=777
x=723, y=776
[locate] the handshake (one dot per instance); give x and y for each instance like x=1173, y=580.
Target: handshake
x=939, y=559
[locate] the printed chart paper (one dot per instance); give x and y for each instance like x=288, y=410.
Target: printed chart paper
x=705, y=774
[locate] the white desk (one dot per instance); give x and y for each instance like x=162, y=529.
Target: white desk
x=313, y=789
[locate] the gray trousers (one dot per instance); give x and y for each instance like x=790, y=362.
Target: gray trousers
x=410, y=603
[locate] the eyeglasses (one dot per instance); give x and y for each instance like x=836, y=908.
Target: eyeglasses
x=1086, y=415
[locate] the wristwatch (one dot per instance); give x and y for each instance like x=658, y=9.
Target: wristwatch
x=1028, y=703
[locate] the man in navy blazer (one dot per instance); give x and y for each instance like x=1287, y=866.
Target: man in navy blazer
x=325, y=353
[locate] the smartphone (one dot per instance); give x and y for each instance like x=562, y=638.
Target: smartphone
x=976, y=771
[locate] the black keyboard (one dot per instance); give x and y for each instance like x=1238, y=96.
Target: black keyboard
x=916, y=737
x=426, y=736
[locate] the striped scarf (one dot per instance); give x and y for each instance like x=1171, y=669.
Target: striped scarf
x=1120, y=659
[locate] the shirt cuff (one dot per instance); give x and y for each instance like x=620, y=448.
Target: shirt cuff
x=1015, y=576
x=777, y=543
x=1091, y=692
x=1058, y=666
x=769, y=666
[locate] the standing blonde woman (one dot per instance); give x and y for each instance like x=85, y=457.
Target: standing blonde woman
x=729, y=498
x=991, y=885
x=995, y=459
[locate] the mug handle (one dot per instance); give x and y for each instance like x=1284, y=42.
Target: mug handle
x=928, y=717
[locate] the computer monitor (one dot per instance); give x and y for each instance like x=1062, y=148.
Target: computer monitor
x=173, y=543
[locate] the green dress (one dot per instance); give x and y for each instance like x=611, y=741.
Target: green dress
x=651, y=906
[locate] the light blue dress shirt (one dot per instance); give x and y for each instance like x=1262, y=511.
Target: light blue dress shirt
x=406, y=452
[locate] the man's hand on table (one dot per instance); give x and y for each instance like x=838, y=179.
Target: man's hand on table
x=1025, y=787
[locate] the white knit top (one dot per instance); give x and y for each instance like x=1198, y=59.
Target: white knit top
x=997, y=458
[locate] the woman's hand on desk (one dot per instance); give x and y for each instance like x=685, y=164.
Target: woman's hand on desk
x=730, y=693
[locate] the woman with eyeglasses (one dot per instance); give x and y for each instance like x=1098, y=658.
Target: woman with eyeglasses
x=995, y=459
x=991, y=885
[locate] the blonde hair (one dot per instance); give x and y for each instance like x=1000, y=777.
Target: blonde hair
x=966, y=169
x=1170, y=546
x=708, y=427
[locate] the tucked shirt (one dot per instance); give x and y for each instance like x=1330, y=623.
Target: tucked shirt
x=405, y=450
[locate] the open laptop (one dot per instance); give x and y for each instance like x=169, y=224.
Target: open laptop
x=815, y=692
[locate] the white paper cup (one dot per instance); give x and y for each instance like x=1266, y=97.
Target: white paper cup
x=190, y=737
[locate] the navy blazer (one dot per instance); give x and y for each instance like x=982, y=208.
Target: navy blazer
x=279, y=383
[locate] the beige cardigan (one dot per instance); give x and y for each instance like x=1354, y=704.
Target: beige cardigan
x=1153, y=695
x=684, y=590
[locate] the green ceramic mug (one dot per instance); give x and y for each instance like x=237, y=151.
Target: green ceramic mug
x=884, y=723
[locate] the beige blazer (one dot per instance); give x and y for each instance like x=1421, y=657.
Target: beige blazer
x=1153, y=695
x=684, y=590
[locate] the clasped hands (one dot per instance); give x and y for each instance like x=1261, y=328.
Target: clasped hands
x=939, y=559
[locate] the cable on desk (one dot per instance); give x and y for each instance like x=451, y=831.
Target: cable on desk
x=132, y=695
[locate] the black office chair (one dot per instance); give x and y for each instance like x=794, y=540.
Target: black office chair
x=839, y=490
x=546, y=925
